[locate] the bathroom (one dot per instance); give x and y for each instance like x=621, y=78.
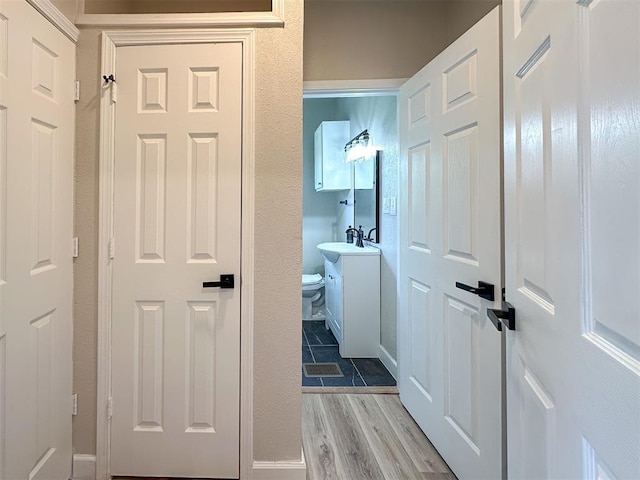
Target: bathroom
x=327, y=214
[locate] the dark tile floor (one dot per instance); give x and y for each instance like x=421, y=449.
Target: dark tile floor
x=320, y=346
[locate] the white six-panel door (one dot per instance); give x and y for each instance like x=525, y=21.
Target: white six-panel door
x=175, y=362
x=572, y=233
x=37, y=69
x=449, y=352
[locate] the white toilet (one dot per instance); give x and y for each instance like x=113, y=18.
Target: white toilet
x=312, y=297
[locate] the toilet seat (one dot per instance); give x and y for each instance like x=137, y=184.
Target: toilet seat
x=312, y=297
x=309, y=280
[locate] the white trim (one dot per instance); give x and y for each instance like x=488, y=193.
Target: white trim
x=351, y=88
x=105, y=232
x=247, y=256
x=274, y=18
x=84, y=467
x=389, y=362
x=289, y=470
x=56, y=17
x=110, y=42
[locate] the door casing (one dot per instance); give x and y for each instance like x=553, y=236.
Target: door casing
x=111, y=40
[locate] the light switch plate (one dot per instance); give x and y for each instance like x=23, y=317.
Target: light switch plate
x=393, y=209
x=385, y=205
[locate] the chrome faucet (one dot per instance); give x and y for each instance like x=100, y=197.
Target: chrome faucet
x=358, y=234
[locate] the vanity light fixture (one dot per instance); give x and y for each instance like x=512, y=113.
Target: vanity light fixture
x=359, y=148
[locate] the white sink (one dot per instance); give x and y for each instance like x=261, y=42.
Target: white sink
x=332, y=251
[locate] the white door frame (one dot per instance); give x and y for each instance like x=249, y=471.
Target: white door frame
x=111, y=40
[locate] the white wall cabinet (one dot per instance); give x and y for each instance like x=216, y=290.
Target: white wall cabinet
x=352, y=291
x=331, y=171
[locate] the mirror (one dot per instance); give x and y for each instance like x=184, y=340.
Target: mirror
x=366, y=211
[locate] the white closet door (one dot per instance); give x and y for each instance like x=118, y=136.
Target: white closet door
x=176, y=345
x=572, y=222
x=449, y=351
x=37, y=70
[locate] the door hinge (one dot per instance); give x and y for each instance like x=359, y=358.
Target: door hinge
x=109, y=407
x=111, y=248
x=74, y=404
x=76, y=247
x=76, y=91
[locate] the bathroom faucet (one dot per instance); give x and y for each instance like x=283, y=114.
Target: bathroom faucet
x=360, y=238
x=358, y=234
x=369, y=237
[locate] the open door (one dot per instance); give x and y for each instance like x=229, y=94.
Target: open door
x=37, y=71
x=450, y=352
x=572, y=232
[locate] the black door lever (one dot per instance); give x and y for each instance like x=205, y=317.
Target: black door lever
x=505, y=316
x=483, y=290
x=226, y=281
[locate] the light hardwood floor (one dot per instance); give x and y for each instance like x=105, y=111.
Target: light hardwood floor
x=366, y=437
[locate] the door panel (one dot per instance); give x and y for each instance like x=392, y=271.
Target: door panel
x=37, y=68
x=572, y=97
x=450, y=353
x=609, y=344
x=177, y=224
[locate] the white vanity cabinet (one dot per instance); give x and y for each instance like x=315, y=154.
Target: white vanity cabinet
x=352, y=302
x=331, y=171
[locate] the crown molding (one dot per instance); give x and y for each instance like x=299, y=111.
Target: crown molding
x=57, y=18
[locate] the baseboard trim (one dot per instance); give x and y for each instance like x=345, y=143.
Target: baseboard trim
x=389, y=362
x=84, y=467
x=290, y=470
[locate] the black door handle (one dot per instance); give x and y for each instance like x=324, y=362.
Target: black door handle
x=506, y=316
x=483, y=290
x=226, y=281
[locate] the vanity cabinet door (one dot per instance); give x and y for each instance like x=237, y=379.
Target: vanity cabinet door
x=333, y=299
x=329, y=294
x=338, y=296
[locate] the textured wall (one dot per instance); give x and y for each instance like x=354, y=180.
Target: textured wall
x=86, y=227
x=68, y=7
x=463, y=14
x=278, y=220
x=277, y=422
x=346, y=39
